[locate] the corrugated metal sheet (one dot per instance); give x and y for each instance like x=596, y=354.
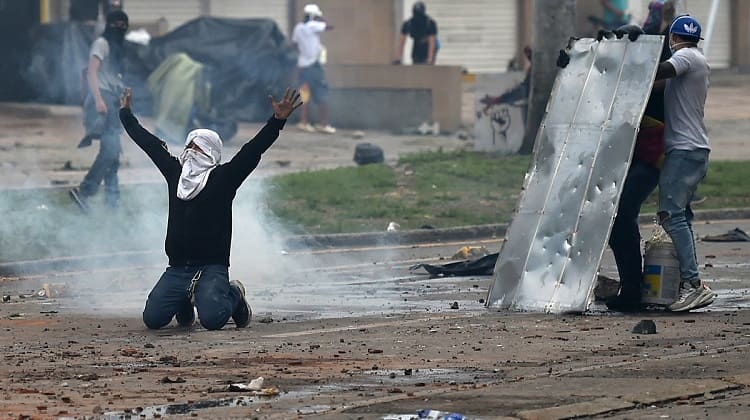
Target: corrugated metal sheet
x=479, y=35
x=175, y=12
x=719, y=53
x=554, y=245
x=278, y=10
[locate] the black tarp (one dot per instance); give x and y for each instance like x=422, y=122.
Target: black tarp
x=245, y=59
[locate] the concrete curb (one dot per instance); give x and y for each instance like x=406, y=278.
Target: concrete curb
x=463, y=233
x=315, y=242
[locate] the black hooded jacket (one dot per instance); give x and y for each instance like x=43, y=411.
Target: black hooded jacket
x=199, y=231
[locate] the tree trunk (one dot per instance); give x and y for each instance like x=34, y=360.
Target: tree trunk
x=554, y=24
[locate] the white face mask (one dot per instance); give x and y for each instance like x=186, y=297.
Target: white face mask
x=197, y=165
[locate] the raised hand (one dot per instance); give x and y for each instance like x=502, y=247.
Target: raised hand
x=126, y=99
x=284, y=108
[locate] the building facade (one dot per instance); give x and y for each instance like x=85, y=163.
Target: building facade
x=481, y=36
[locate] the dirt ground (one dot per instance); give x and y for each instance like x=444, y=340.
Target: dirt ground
x=352, y=333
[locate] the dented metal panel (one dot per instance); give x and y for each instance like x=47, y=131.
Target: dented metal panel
x=583, y=148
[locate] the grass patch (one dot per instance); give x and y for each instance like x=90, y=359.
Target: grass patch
x=439, y=189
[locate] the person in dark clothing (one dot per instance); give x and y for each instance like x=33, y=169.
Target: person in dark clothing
x=88, y=10
x=104, y=82
x=640, y=182
x=423, y=30
x=199, y=228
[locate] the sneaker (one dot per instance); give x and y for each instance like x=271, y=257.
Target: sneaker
x=186, y=317
x=327, y=129
x=79, y=199
x=708, y=298
x=242, y=315
x=306, y=127
x=690, y=297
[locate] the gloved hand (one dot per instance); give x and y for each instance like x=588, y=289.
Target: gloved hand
x=563, y=59
x=632, y=31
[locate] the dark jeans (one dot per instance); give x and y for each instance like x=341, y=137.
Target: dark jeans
x=107, y=161
x=215, y=300
x=625, y=239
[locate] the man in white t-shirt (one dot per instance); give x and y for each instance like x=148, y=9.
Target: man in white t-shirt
x=686, y=153
x=306, y=37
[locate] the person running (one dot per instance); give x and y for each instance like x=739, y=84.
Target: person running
x=104, y=80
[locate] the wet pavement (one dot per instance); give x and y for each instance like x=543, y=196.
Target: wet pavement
x=352, y=333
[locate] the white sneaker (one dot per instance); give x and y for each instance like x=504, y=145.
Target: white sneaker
x=327, y=129
x=691, y=297
x=707, y=299
x=306, y=127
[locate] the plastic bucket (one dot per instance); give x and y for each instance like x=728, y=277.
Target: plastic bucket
x=661, y=274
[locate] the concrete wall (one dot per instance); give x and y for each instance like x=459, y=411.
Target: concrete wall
x=363, y=30
x=394, y=97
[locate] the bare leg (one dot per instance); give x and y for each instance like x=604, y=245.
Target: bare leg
x=303, y=119
x=323, y=113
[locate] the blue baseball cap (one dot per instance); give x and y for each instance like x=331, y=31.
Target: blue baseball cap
x=686, y=26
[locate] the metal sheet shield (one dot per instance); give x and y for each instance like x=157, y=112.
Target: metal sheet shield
x=555, y=242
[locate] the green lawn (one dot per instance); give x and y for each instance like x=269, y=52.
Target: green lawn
x=439, y=189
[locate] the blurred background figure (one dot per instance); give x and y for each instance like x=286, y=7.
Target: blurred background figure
x=615, y=13
x=423, y=30
x=87, y=11
x=105, y=84
x=311, y=77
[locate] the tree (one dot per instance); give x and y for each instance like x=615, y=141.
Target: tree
x=554, y=24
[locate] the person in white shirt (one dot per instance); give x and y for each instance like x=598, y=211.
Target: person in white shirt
x=306, y=37
x=686, y=152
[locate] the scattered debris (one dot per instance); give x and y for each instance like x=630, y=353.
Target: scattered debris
x=454, y=305
x=255, y=387
x=645, y=326
x=17, y=316
x=88, y=377
x=392, y=227
x=358, y=134
x=427, y=128
x=168, y=380
x=366, y=153
x=481, y=267
x=467, y=252
x=131, y=352
x=6, y=298
x=374, y=351
x=283, y=163
x=426, y=414
x=734, y=235
x=52, y=290
x=266, y=320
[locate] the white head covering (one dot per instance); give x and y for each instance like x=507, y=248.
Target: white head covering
x=196, y=166
x=313, y=10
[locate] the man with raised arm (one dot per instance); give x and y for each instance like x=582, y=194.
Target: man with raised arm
x=199, y=230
